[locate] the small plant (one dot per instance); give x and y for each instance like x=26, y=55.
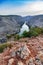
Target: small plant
x=35, y=31
x=3, y=46
x=42, y=30
x=8, y=36
x=25, y=34
x=16, y=37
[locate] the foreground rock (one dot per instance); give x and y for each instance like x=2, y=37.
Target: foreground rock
x=10, y=62
x=20, y=63
x=26, y=52
x=23, y=52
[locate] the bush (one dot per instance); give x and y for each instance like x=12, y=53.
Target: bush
x=42, y=30
x=29, y=34
x=3, y=46
x=16, y=37
x=37, y=29
x=8, y=36
x=33, y=32
x=25, y=34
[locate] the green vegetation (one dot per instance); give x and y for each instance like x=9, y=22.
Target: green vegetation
x=3, y=46
x=37, y=29
x=8, y=36
x=16, y=37
x=33, y=32
x=25, y=34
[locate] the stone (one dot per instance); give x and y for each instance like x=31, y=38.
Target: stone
x=38, y=61
x=20, y=63
x=31, y=62
x=10, y=61
x=23, y=52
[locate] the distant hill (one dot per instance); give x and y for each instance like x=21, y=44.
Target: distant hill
x=9, y=24
x=12, y=23
x=35, y=20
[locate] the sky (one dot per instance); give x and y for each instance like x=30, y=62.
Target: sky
x=21, y=7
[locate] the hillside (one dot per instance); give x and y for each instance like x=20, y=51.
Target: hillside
x=26, y=51
x=8, y=24
x=12, y=23
x=36, y=21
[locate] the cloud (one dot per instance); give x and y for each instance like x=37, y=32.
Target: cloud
x=32, y=8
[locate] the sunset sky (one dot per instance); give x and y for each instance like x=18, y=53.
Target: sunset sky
x=21, y=7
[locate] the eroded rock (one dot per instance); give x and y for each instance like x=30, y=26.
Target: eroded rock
x=20, y=63
x=23, y=52
x=10, y=61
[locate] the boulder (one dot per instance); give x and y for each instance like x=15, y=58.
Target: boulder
x=23, y=52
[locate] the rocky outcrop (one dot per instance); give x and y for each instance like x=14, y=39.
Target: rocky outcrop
x=24, y=53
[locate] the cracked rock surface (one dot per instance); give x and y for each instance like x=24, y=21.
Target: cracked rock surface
x=26, y=51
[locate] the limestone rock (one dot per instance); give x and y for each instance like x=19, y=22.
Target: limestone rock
x=31, y=62
x=23, y=52
x=38, y=61
x=10, y=61
x=20, y=63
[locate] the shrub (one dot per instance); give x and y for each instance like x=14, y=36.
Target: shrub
x=3, y=46
x=42, y=30
x=25, y=34
x=32, y=33
x=16, y=37
x=8, y=36
x=35, y=31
